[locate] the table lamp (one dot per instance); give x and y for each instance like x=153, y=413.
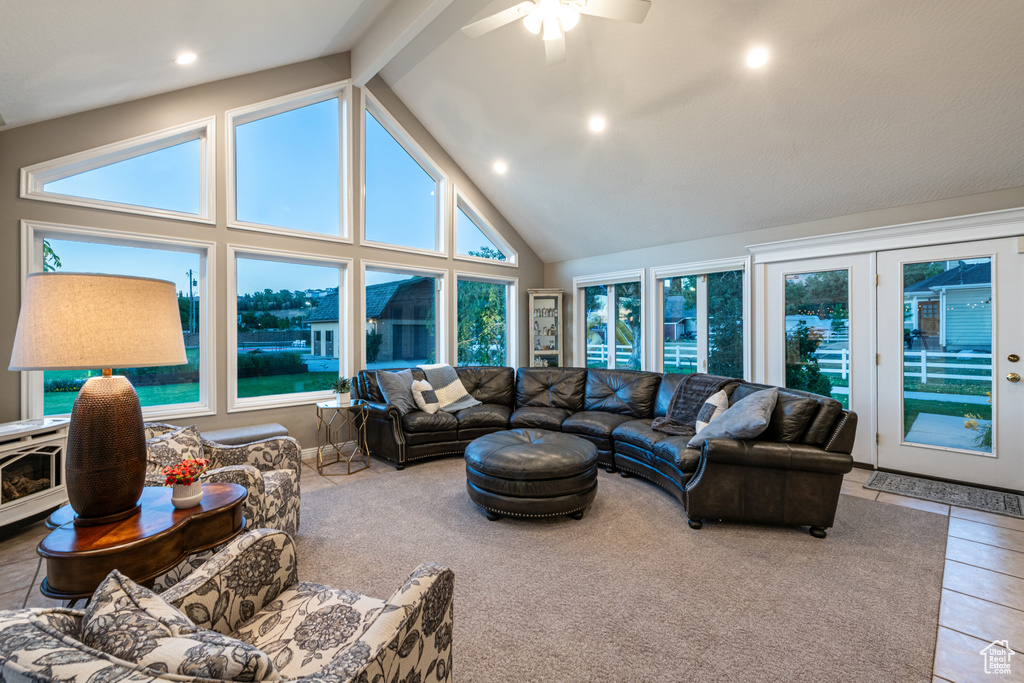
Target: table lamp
x=83, y=321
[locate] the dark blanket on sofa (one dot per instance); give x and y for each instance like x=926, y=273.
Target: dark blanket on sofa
x=688, y=398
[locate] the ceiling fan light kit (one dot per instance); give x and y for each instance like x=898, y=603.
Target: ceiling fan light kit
x=555, y=17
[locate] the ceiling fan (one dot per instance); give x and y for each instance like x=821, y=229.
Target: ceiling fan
x=555, y=17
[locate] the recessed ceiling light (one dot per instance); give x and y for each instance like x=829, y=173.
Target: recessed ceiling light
x=185, y=58
x=597, y=123
x=500, y=167
x=757, y=58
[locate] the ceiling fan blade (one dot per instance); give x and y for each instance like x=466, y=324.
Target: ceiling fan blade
x=488, y=24
x=620, y=10
x=554, y=50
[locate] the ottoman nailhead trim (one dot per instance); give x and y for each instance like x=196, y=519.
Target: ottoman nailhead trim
x=519, y=514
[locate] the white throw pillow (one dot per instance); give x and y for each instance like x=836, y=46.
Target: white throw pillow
x=426, y=399
x=712, y=408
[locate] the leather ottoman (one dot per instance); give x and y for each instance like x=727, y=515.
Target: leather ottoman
x=531, y=473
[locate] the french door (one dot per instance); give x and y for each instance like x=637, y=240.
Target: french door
x=818, y=331
x=950, y=337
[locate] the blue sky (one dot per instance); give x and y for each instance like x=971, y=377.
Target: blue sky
x=288, y=176
x=164, y=179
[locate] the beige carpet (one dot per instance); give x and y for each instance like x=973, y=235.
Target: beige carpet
x=630, y=593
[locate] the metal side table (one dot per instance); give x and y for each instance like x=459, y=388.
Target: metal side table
x=334, y=422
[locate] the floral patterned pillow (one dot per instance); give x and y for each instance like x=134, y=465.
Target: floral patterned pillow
x=170, y=449
x=133, y=623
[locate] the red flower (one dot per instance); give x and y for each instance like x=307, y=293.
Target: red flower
x=186, y=472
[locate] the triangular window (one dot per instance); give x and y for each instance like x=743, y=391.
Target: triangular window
x=475, y=238
x=167, y=174
x=404, y=189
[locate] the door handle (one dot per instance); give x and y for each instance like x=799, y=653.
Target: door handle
x=1013, y=377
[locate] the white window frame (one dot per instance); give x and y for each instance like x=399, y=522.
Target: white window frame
x=32, y=235
x=483, y=225
x=372, y=105
x=580, y=326
x=441, y=307
x=656, y=331
x=341, y=90
x=34, y=177
x=511, y=312
x=344, y=266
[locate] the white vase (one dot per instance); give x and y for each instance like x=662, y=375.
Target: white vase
x=185, y=496
x=343, y=398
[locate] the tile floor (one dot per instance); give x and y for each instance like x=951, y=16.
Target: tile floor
x=982, y=596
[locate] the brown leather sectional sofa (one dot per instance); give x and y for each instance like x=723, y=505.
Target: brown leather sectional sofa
x=791, y=474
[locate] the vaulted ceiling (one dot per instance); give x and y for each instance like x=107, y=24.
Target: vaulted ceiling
x=864, y=104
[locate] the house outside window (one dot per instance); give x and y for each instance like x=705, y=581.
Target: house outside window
x=402, y=312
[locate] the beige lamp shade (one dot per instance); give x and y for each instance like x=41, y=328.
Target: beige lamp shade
x=84, y=321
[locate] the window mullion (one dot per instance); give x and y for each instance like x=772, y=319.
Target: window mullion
x=702, y=323
x=612, y=308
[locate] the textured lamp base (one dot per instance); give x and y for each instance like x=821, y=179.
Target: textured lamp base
x=106, y=460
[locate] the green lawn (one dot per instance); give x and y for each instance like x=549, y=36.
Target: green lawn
x=59, y=402
x=285, y=384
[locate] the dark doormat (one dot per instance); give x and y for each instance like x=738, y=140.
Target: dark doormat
x=1009, y=504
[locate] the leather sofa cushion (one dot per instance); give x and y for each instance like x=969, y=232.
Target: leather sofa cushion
x=489, y=385
x=485, y=415
x=419, y=421
x=669, y=382
x=627, y=392
x=551, y=388
x=594, y=423
x=789, y=418
x=819, y=425
x=639, y=433
x=674, y=450
x=539, y=418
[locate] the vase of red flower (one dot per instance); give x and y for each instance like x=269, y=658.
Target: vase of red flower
x=184, y=477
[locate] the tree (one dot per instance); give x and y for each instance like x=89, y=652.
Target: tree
x=820, y=294
x=374, y=341
x=488, y=252
x=627, y=297
x=802, y=369
x=916, y=272
x=51, y=261
x=725, y=323
x=483, y=323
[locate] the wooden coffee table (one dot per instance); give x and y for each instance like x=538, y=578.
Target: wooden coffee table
x=143, y=546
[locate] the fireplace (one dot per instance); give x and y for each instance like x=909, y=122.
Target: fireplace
x=31, y=467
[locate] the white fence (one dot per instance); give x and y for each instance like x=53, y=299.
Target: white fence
x=598, y=353
x=922, y=364
x=928, y=361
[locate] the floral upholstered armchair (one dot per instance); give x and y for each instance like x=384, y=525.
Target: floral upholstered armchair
x=270, y=469
x=241, y=616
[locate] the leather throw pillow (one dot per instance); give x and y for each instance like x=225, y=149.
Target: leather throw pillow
x=426, y=399
x=713, y=407
x=746, y=419
x=135, y=624
x=397, y=389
